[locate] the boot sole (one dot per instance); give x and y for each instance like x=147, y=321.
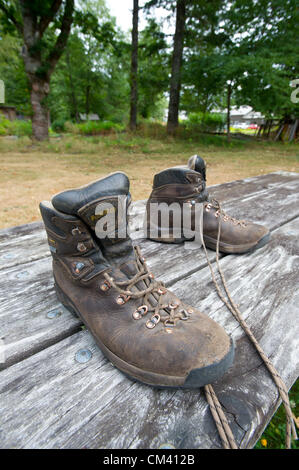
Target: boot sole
x=231, y=249
x=195, y=379
x=187, y=236
x=223, y=247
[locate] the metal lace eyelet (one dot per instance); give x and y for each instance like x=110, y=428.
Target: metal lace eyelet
x=190, y=310
x=81, y=247
x=217, y=213
x=185, y=315
x=173, y=306
x=169, y=322
x=153, y=321
x=76, y=231
x=105, y=286
x=78, y=267
x=225, y=218
x=122, y=299
x=161, y=291
x=208, y=207
x=140, y=312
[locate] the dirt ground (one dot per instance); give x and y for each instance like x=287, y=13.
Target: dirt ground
x=32, y=173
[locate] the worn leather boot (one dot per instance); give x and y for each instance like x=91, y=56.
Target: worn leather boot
x=188, y=185
x=141, y=327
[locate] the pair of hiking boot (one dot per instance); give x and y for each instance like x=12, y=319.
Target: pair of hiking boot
x=187, y=186
x=144, y=329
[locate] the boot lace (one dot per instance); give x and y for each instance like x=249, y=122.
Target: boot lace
x=218, y=414
x=168, y=313
x=213, y=203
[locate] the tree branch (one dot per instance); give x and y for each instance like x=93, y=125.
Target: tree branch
x=61, y=41
x=46, y=20
x=10, y=16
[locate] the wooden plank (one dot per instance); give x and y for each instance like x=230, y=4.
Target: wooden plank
x=238, y=189
x=24, y=243
x=26, y=314
x=51, y=401
x=31, y=315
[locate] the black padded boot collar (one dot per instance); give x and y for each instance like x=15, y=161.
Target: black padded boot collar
x=175, y=175
x=84, y=202
x=198, y=164
x=72, y=200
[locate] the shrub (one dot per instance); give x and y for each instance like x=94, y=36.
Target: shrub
x=208, y=122
x=96, y=127
x=70, y=127
x=16, y=127
x=4, y=123
x=58, y=125
x=152, y=129
x=21, y=128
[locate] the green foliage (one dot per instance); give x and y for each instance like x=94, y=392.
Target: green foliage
x=206, y=122
x=13, y=74
x=94, y=127
x=16, y=127
x=100, y=85
x=187, y=134
x=153, y=71
x=274, y=435
x=252, y=44
x=58, y=125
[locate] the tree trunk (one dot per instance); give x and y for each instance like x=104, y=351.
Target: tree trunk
x=177, y=57
x=229, y=94
x=134, y=68
x=39, y=58
x=40, y=119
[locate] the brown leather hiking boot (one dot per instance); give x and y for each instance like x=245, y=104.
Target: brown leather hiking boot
x=187, y=185
x=141, y=327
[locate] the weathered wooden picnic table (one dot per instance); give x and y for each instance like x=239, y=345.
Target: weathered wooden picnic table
x=58, y=391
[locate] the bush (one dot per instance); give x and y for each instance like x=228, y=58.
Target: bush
x=4, y=123
x=151, y=129
x=208, y=122
x=58, y=125
x=95, y=127
x=16, y=127
x=21, y=128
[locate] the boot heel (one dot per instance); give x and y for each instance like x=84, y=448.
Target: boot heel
x=64, y=300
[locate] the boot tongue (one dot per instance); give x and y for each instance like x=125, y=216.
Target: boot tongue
x=130, y=268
